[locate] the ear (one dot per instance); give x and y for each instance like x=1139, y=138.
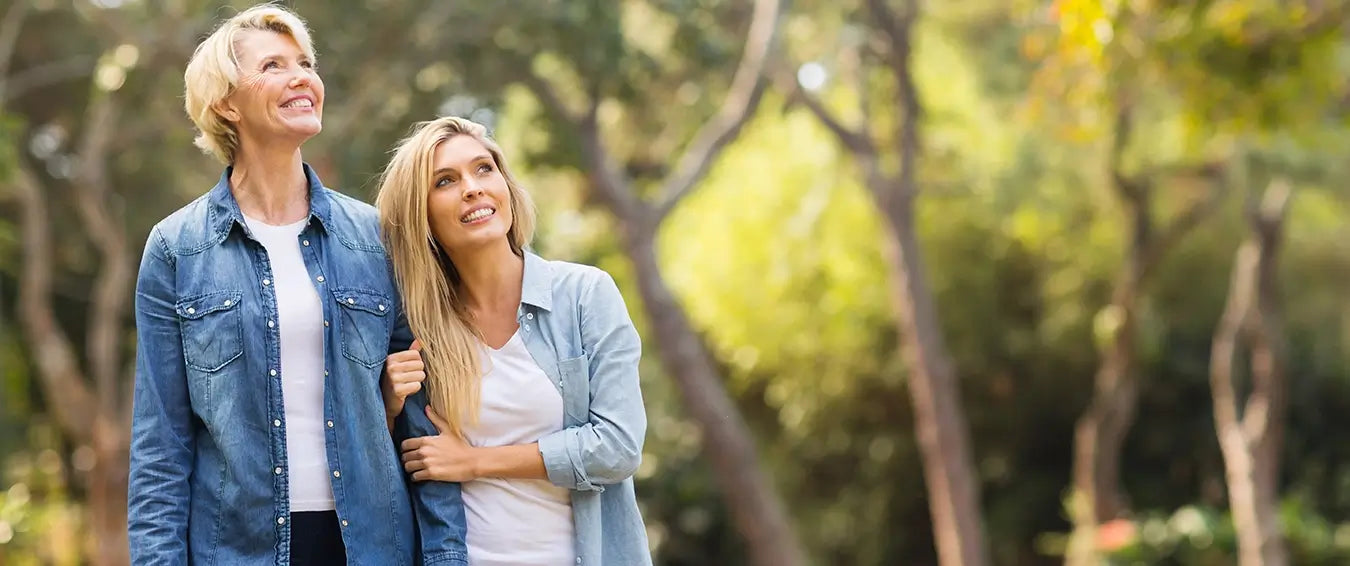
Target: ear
x=226, y=109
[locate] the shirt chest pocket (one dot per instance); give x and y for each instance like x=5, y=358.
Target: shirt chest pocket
x=576, y=389
x=213, y=330
x=363, y=322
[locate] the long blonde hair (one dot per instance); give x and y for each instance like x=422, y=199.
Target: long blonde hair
x=428, y=281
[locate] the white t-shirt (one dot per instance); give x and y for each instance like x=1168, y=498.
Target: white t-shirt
x=300, y=323
x=517, y=522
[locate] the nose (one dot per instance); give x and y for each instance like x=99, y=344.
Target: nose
x=472, y=188
x=300, y=78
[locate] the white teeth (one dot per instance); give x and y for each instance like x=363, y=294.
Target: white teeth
x=476, y=215
x=298, y=103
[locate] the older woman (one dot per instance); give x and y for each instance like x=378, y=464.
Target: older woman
x=264, y=311
x=532, y=363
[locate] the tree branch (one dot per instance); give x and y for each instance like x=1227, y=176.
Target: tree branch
x=747, y=89
x=856, y=141
x=113, y=284
x=9, y=38
x=1265, y=404
x=900, y=41
x=58, y=371
x=1190, y=217
x=611, y=184
x=46, y=74
x=548, y=95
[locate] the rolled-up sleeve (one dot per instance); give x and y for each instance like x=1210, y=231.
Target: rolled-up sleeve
x=607, y=449
x=162, y=442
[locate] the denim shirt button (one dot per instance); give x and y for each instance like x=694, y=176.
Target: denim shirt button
x=276, y=422
x=337, y=474
x=305, y=243
x=270, y=324
x=281, y=520
x=529, y=316
x=272, y=373
x=344, y=522
x=330, y=424
x=267, y=282
x=277, y=471
x=319, y=279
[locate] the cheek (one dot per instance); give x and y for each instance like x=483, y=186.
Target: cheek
x=317, y=86
x=440, y=214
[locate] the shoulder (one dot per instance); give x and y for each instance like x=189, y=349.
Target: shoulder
x=590, y=289
x=355, y=222
x=576, y=280
x=184, y=231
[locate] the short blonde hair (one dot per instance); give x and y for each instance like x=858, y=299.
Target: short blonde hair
x=427, y=279
x=213, y=73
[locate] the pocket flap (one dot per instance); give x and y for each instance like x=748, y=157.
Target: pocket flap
x=196, y=307
x=360, y=299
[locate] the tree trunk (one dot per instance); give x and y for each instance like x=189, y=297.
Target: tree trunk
x=1251, y=442
x=82, y=415
x=1099, y=436
x=107, y=486
x=749, y=493
x=940, y=423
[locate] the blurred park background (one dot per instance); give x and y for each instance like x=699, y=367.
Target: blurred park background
x=969, y=283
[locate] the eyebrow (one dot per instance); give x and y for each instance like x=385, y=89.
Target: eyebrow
x=449, y=169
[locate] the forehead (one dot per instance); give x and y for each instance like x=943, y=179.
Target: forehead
x=458, y=150
x=253, y=44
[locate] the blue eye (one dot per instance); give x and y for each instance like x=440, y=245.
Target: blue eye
x=270, y=65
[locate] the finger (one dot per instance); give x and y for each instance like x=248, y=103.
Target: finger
x=412, y=444
x=440, y=424
x=421, y=475
x=408, y=376
x=403, y=357
x=407, y=364
x=406, y=389
x=416, y=345
x=411, y=466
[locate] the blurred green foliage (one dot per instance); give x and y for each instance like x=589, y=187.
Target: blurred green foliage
x=776, y=256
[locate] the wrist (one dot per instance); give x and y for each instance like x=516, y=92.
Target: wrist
x=478, y=462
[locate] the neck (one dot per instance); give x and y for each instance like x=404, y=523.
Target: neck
x=491, y=278
x=270, y=184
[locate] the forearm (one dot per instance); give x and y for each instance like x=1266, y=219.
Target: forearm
x=521, y=461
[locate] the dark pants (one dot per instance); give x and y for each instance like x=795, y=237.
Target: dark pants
x=316, y=539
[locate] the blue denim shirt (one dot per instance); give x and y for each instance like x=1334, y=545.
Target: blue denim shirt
x=208, y=478
x=575, y=324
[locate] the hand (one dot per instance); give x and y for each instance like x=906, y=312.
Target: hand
x=403, y=376
x=444, y=457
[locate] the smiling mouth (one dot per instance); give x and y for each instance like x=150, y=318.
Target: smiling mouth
x=299, y=103
x=477, y=215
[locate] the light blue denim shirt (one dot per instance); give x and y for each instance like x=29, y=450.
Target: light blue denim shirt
x=208, y=478
x=576, y=326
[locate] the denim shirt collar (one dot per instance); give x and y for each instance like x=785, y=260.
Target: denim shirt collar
x=225, y=209
x=536, y=287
